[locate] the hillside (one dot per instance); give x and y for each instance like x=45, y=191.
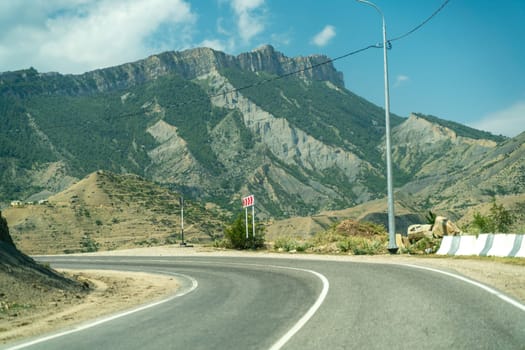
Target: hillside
x=23, y=281
x=216, y=127
x=107, y=211
x=471, y=175
x=301, y=144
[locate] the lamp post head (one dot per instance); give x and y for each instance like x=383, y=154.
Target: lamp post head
x=366, y=2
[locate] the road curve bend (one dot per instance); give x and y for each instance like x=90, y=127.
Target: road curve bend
x=262, y=303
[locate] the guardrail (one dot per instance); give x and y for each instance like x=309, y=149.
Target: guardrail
x=486, y=244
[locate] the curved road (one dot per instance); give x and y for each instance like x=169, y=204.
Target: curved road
x=261, y=303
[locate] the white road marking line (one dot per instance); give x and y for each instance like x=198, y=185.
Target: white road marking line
x=474, y=283
x=308, y=315
x=194, y=285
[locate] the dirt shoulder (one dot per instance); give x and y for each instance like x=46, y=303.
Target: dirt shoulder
x=112, y=291
x=116, y=291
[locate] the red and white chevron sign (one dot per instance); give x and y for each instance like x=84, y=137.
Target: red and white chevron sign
x=248, y=201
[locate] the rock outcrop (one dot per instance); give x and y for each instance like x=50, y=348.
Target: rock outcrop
x=5, y=237
x=189, y=64
x=442, y=226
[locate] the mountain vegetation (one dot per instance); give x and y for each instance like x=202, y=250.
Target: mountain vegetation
x=214, y=128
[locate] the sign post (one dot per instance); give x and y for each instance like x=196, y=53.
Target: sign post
x=253, y=223
x=249, y=202
x=181, y=202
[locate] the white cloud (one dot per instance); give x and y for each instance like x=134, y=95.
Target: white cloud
x=400, y=80
x=282, y=39
x=75, y=36
x=509, y=121
x=250, y=18
x=220, y=27
x=218, y=45
x=323, y=37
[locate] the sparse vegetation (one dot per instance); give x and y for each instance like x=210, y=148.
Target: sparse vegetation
x=346, y=237
x=499, y=220
x=430, y=217
x=426, y=245
x=235, y=234
x=290, y=244
x=88, y=244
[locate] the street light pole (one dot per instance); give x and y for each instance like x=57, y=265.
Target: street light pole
x=392, y=246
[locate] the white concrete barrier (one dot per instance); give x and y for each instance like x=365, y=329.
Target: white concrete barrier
x=502, y=245
x=519, y=247
x=489, y=239
x=446, y=243
x=483, y=242
x=467, y=246
x=486, y=244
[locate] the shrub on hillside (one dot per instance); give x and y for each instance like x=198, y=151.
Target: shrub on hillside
x=289, y=244
x=235, y=234
x=499, y=220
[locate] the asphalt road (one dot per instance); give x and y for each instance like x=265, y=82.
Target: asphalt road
x=261, y=303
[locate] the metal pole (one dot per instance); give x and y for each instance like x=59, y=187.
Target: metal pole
x=392, y=246
x=253, y=222
x=246, y=212
x=181, y=201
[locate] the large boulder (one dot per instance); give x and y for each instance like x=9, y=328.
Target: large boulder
x=444, y=227
x=417, y=232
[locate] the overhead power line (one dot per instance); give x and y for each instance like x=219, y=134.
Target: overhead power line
x=379, y=45
x=422, y=23
x=302, y=70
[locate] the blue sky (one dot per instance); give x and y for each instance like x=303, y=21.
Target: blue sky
x=467, y=64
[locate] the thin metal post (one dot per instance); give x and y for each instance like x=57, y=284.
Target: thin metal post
x=253, y=222
x=392, y=246
x=181, y=201
x=246, y=212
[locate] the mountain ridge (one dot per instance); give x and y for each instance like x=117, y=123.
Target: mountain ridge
x=189, y=64
x=301, y=143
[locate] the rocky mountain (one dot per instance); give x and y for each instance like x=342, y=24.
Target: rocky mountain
x=486, y=171
x=217, y=127
x=188, y=65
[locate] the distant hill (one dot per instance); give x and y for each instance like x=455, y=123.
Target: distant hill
x=107, y=211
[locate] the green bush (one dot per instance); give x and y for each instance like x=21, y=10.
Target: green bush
x=88, y=245
x=499, y=220
x=235, y=234
x=425, y=245
x=362, y=246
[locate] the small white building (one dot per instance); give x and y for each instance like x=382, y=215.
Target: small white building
x=17, y=204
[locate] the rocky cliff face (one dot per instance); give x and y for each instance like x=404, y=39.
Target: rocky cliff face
x=424, y=148
x=189, y=64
